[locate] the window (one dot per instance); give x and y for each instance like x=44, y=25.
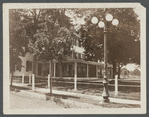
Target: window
x=45, y=69
x=28, y=66
x=74, y=42
x=83, y=56
x=80, y=44
x=18, y=67
x=39, y=69
x=74, y=55
x=79, y=56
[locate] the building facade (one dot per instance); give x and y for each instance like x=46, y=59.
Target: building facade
x=75, y=65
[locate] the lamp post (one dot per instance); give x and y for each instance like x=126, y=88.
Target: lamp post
x=103, y=25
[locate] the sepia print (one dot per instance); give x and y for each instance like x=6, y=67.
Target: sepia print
x=68, y=58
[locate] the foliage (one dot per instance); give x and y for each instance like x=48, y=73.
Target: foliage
x=42, y=32
x=122, y=41
x=48, y=48
x=53, y=38
x=39, y=27
x=17, y=40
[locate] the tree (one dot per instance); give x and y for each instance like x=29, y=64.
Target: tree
x=23, y=24
x=123, y=40
x=40, y=25
x=53, y=40
x=16, y=39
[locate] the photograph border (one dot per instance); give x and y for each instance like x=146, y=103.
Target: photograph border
x=6, y=96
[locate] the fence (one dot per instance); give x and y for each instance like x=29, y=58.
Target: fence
x=116, y=83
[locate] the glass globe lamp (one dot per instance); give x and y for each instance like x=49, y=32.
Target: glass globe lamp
x=101, y=24
x=115, y=22
x=94, y=20
x=109, y=17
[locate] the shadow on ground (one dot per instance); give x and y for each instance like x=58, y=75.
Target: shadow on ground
x=18, y=88
x=62, y=96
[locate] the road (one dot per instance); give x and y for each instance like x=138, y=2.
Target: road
x=20, y=102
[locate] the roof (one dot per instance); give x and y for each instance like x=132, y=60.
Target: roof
x=88, y=62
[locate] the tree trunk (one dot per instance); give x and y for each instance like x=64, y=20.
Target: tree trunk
x=51, y=67
x=119, y=71
x=34, y=65
x=114, y=69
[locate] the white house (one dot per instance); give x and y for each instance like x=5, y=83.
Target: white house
x=75, y=65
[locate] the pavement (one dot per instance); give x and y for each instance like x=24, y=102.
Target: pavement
x=40, y=93
x=19, y=101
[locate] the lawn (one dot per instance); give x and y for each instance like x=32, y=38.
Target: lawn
x=124, y=92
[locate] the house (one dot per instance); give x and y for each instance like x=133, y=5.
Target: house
x=136, y=72
x=124, y=71
x=75, y=65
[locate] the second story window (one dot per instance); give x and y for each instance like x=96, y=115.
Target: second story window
x=18, y=67
x=79, y=56
x=83, y=56
x=74, y=41
x=28, y=66
x=75, y=55
x=80, y=44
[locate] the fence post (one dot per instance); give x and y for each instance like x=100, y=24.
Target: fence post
x=48, y=80
x=116, y=85
x=33, y=82
x=22, y=78
x=29, y=78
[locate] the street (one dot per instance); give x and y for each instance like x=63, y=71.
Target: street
x=20, y=102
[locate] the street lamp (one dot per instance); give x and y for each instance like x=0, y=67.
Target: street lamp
x=102, y=24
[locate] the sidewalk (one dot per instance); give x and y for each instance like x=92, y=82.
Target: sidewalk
x=40, y=92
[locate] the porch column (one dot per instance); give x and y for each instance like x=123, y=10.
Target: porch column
x=72, y=55
x=22, y=78
x=30, y=79
x=33, y=82
x=111, y=73
x=75, y=76
x=87, y=70
x=54, y=69
x=96, y=71
x=50, y=68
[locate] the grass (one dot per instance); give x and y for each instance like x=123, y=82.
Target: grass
x=124, y=92
x=67, y=102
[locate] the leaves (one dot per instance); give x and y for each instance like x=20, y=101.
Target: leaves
x=53, y=39
x=120, y=39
